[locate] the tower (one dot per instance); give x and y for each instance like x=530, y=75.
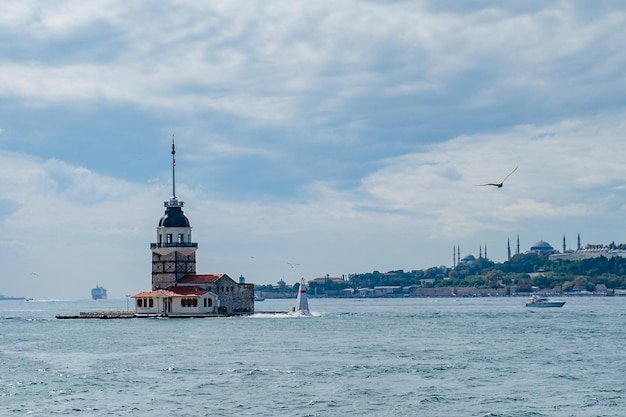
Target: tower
x=517, y=251
x=302, y=303
x=174, y=254
x=564, y=245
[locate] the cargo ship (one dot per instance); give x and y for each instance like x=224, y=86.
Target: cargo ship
x=99, y=293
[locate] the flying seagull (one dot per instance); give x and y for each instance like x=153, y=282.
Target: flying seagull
x=292, y=265
x=500, y=184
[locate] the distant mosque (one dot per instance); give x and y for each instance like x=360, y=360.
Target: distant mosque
x=543, y=248
x=468, y=259
x=177, y=290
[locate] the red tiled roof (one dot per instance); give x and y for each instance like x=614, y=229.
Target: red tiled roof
x=200, y=278
x=188, y=290
x=154, y=293
x=173, y=292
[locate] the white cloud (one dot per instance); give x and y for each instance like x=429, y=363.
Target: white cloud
x=406, y=214
x=349, y=135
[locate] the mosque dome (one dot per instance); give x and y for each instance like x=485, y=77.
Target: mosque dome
x=174, y=217
x=468, y=259
x=542, y=247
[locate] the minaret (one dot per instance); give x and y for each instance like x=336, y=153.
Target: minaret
x=480, y=251
x=508, y=248
x=579, y=241
x=453, y=256
x=486, y=251
x=517, y=253
x=458, y=254
x=174, y=254
x=564, y=245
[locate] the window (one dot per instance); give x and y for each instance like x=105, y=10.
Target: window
x=139, y=302
x=151, y=302
x=169, y=238
x=209, y=302
x=189, y=302
x=180, y=238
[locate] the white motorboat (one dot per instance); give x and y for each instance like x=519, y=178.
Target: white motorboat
x=543, y=302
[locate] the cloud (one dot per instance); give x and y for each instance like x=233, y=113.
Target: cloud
x=286, y=64
x=404, y=214
x=346, y=136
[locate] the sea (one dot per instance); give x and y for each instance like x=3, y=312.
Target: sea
x=351, y=357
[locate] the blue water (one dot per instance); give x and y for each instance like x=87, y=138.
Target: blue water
x=379, y=357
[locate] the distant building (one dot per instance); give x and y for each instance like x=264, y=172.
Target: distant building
x=588, y=252
x=176, y=288
x=542, y=248
x=322, y=280
x=468, y=259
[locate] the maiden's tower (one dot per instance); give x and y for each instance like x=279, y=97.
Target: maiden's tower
x=176, y=287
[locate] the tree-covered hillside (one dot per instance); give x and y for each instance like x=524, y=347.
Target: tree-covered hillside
x=526, y=272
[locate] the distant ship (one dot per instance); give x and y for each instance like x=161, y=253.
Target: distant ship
x=3, y=298
x=99, y=293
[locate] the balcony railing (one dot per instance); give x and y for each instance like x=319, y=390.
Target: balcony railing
x=174, y=245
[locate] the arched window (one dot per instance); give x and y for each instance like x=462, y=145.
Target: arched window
x=183, y=302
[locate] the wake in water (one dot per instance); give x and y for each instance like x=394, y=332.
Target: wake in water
x=286, y=315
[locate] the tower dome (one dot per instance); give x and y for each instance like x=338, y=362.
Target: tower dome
x=174, y=217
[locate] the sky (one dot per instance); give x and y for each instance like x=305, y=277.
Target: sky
x=344, y=136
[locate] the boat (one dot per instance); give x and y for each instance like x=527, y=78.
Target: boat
x=543, y=302
x=3, y=298
x=259, y=298
x=98, y=293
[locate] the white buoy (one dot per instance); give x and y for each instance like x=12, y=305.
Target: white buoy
x=302, y=304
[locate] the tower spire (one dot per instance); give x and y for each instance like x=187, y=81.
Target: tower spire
x=173, y=170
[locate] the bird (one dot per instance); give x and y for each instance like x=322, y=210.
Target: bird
x=292, y=265
x=500, y=184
